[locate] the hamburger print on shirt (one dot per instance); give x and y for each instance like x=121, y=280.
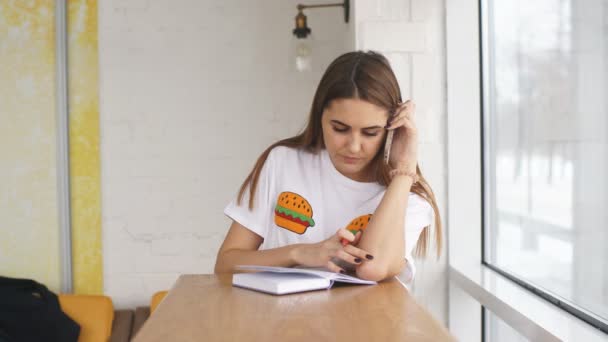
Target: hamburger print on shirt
x=293, y=213
x=302, y=198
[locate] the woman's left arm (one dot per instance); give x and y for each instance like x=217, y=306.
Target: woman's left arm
x=385, y=236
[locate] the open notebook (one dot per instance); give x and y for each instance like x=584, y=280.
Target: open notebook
x=284, y=280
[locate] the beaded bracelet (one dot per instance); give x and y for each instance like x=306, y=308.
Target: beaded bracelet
x=392, y=173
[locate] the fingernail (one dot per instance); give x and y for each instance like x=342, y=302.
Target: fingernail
x=369, y=257
x=342, y=271
x=357, y=260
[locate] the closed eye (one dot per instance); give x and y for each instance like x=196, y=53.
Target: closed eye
x=346, y=129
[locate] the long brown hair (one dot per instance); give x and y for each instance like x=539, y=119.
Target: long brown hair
x=366, y=76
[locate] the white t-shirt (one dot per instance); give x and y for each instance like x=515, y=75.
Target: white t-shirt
x=326, y=201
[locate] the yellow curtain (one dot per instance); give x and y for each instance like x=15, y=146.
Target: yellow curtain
x=29, y=230
x=84, y=147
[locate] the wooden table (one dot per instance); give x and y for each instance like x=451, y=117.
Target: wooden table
x=209, y=308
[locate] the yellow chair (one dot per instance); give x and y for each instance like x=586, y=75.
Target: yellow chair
x=94, y=314
x=156, y=299
x=143, y=313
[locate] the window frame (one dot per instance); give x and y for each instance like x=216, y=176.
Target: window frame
x=488, y=188
x=474, y=284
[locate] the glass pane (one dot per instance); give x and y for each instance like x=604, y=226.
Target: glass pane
x=29, y=227
x=496, y=330
x=546, y=146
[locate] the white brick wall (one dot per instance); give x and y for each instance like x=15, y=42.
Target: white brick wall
x=412, y=36
x=190, y=93
x=391, y=36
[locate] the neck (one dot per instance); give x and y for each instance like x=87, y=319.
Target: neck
x=364, y=176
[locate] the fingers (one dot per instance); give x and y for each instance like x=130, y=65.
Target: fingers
x=358, y=253
x=334, y=268
x=402, y=121
x=351, y=255
x=351, y=259
x=408, y=106
x=404, y=117
x=357, y=238
x=345, y=234
x=347, y=252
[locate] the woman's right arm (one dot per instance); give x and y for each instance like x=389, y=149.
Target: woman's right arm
x=241, y=248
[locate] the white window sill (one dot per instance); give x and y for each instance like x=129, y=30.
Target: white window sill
x=530, y=315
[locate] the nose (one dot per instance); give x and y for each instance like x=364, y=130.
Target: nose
x=354, y=144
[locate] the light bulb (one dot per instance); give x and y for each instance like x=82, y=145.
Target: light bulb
x=303, y=55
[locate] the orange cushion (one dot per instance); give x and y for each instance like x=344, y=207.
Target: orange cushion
x=94, y=314
x=156, y=299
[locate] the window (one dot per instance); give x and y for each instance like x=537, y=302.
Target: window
x=545, y=149
x=496, y=330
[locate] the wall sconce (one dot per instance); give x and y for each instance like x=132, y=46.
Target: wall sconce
x=303, y=46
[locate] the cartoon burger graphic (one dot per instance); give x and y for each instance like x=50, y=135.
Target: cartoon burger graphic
x=359, y=224
x=293, y=213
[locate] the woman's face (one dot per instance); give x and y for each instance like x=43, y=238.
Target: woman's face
x=353, y=131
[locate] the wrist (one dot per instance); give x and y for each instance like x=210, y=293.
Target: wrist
x=402, y=165
x=404, y=172
x=403, y=180
x=295, y=253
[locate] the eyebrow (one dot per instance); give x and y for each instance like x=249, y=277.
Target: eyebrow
x=343, y=124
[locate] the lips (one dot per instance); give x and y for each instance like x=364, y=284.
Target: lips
x=350, y=160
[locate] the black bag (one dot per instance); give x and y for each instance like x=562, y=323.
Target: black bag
x=30, y=312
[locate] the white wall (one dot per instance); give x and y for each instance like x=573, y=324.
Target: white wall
x=191, y=92
x=411, y=33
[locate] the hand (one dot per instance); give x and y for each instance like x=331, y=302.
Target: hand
x=404, y=150
x=324, y=253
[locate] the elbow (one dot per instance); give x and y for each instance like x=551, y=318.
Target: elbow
x=220, y=266
x=372, y=271
x=376, y=271
x=219, y=269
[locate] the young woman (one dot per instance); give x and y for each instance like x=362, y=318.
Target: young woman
x=326, y=198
